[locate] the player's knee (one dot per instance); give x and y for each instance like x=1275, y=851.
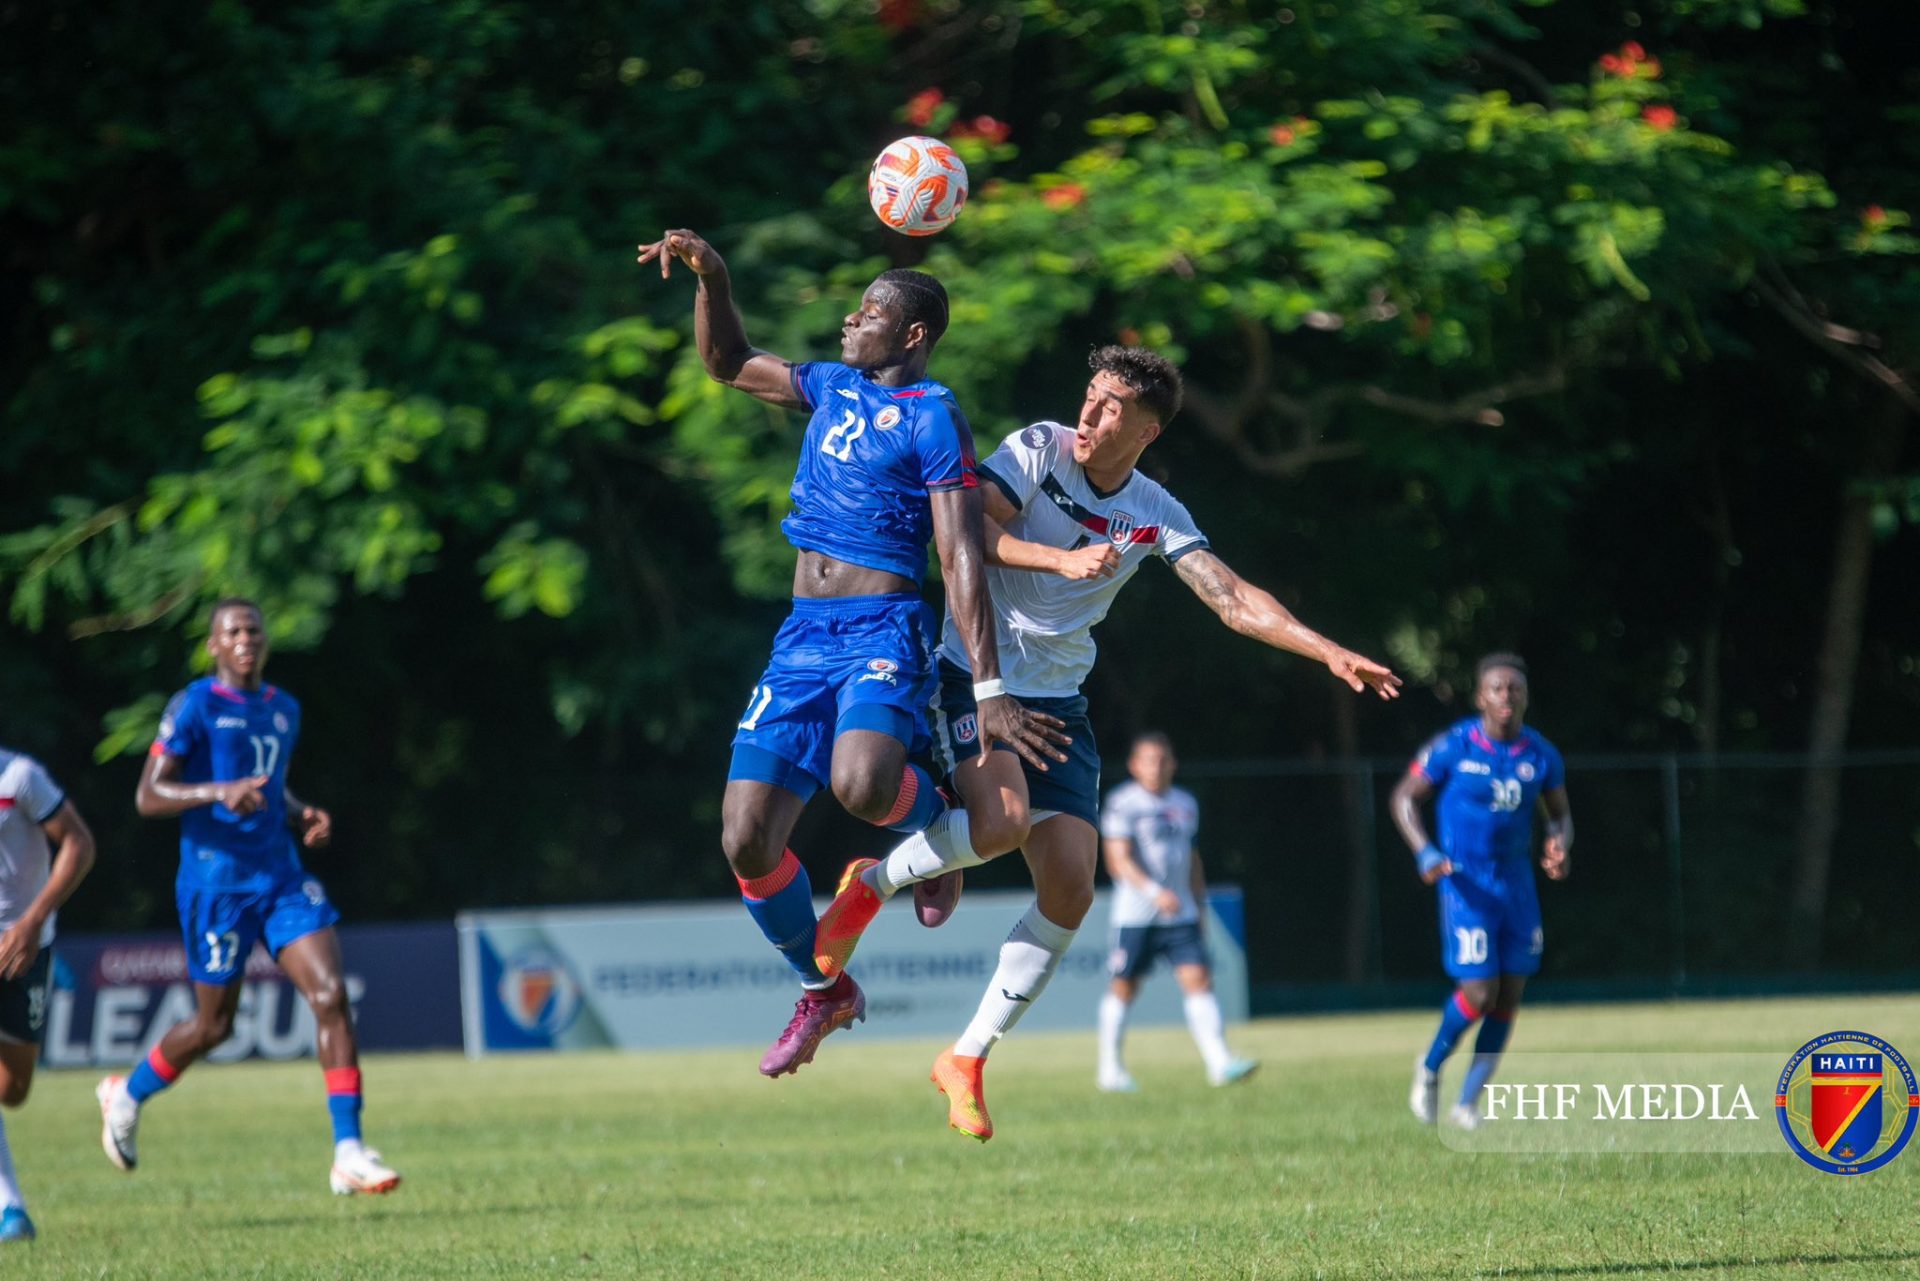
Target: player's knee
x=1478, y=996
x=1068, y=906
x=328, y=1000
x=865, y=795
x=748, y=843
x=999, y=830
x=15, y=1092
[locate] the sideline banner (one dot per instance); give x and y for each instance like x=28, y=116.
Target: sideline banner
x=657, y=977
x=114, y=995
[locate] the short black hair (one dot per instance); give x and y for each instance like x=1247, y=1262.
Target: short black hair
x=1152, y=737
x=922, y=299
x=1500, y=658
x=232, y=602
x=1153, y=379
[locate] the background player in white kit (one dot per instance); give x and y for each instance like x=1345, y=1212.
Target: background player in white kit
x=1147, y=830
x=1068, y=501
x=45, y=850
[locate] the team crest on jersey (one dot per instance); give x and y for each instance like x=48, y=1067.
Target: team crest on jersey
x=1120, y=528
x=886, y=418
x=539, y=993
x=1847, y=1103
x=1035, y=437
x=966, y=729
x=1525, y=771
x=280, y=721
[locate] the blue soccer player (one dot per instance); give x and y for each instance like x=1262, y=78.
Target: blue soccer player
x=1491, y=772
x=886, y=464
x=219, y=763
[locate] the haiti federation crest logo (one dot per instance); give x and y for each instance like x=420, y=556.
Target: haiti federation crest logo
x=1847, y=1103
x=539, y=993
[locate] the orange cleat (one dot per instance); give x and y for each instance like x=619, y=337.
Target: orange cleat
x=959, y=1078
x=853, y=908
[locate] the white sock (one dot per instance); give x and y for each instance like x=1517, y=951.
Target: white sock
x=1209, y=1031
x=1027, y=961
x=946, y=844
x=1113, y=1026
x=346, y=1148
x=9, y=1185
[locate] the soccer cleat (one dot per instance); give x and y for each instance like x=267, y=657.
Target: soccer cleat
x=814, y=1016
x=1465, y=1116
x=959, y=1078
x=119, y=1120
x=361, y=1171
x=853, y=908
x=1235, y=1071
x=1424, y=1098
x=1117, y=1081
x=15, y=1225
x=934, y=901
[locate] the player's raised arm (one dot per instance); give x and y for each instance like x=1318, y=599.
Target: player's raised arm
x=1557, y=859
x=717, y=328
x=1253, y=612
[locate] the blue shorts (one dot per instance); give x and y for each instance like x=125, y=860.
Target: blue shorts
x=1137, y=947
x=851, y=662
x=1490, y=924
x=221, y=926
x=1071, y=786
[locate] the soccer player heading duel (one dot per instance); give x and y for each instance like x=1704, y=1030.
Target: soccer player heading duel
x=887, y=462
x=220, y=763
x=1065, y=500
x=1491, y=772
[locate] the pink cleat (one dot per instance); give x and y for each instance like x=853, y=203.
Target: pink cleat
x=934, y=901
x=814, y=1016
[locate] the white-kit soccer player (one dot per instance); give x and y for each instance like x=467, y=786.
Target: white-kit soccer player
x=45, y=850
x=1147, y=831
x=1068, y=501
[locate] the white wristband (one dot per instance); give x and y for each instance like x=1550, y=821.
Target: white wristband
x=983, y=690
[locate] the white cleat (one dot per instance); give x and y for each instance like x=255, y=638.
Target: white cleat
x=361, y=1171
x=1424, y=1098
x=119, y=1121
x=1117, y=1082
x=1465, y=1116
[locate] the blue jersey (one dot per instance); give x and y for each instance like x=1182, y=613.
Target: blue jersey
x=225, y=734
x=1487, y=792
x=871, y=457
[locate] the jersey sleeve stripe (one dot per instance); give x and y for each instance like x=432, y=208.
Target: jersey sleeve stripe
x=1200, y=546
x=793, y=380
x=999, y=482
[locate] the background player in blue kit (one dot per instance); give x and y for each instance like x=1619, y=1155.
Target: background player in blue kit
x=1491, y=772
x=887, y=463
x=220, y=764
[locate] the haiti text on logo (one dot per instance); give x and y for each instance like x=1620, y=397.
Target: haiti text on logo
x=539, y=993
x=1847, y=1103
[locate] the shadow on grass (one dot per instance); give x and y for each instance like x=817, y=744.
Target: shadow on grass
x=1731, y=1266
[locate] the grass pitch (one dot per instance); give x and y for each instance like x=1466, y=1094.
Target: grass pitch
x=692, y=1166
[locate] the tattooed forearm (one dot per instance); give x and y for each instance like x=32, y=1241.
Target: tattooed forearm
x=1211, y=581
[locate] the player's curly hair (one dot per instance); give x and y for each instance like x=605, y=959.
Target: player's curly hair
x=1154, y=379
x=922, y=298
x=1500, y=658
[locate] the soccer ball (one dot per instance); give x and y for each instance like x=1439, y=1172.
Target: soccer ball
x=917, y=186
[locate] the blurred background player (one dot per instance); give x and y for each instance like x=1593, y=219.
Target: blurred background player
x=1067, y=502
x=45, y=851
x=886, y=463
x=220, y=764
x=1490, y=772
x=1147, y=830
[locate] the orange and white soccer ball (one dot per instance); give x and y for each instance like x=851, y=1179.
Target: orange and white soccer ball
x=917, y=186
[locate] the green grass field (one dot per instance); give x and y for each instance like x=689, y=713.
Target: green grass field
x=691, y=1165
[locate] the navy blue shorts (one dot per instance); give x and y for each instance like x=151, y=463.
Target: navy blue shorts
x=23, y=1002
x=220, y=927
x=1490, y=925
x=1137, y=947
x=850, y=662
x=1071, y=786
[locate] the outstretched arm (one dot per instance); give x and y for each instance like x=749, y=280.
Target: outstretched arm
x=1557, y=859
x=717, y=328
x=1408, y=796
x=1253, y=612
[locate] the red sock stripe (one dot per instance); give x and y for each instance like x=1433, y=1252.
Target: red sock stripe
x=1462, y=1004
x=903, y=804
x=343, y=1080
x=166, y=1071
x=764, y=887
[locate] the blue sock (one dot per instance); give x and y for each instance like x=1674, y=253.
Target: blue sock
x=343, y=1102
x=781, y=904
x=1455, y=1019
x=918, y=805
x=1486, y=1054
x=152, y=1075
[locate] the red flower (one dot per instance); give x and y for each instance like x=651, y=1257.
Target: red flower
x=1613, y=66
x=1065, y=196
x=1129, y=337
x=994, y=131
x=922, y=105
x=1282, y=135
x=1633, y=52
x=1874, y=216
x=1661, y=117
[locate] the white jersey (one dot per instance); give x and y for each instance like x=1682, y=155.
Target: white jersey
x=1162, y=829
x=1043, y=622
x=28, y=798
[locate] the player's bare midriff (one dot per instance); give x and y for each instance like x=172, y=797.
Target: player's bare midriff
x=817, y=576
